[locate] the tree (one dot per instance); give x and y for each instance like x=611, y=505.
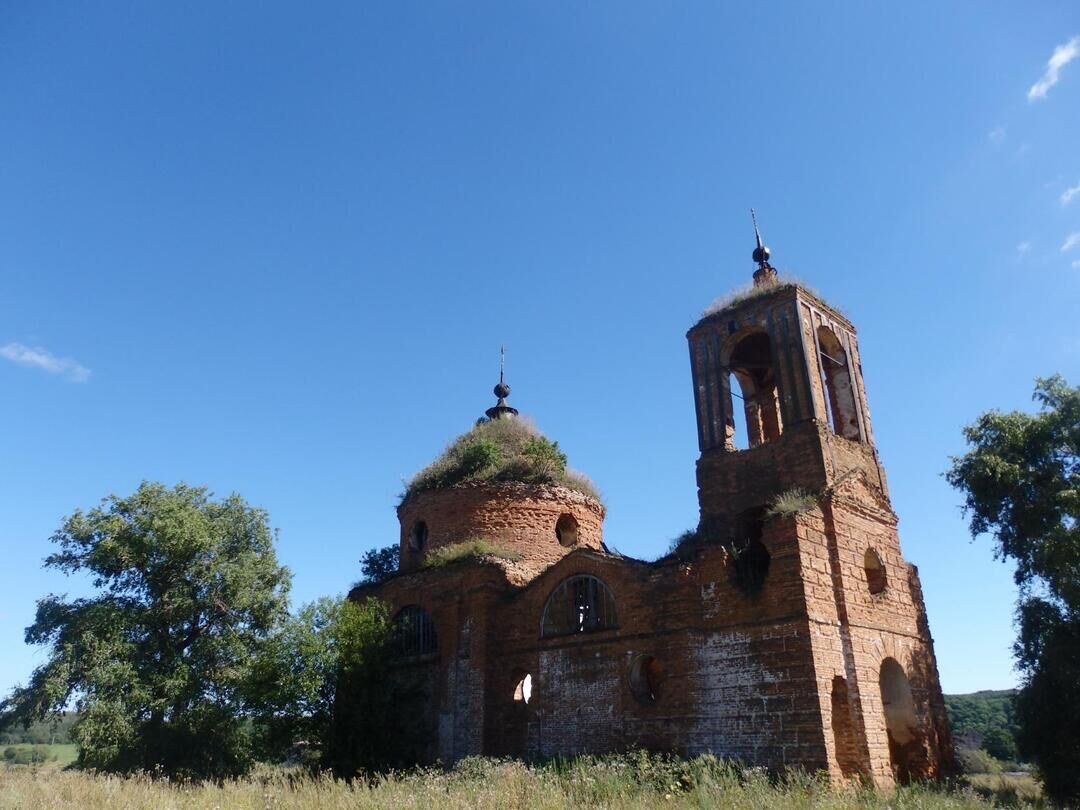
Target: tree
x=188, y=590
x=1020, y=479
x=379, y=564
x=327, y=679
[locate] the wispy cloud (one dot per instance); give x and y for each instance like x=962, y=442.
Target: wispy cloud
x=45, y=360
x=1071, y=241
x=1063, y=54
x=1023, y=249
x=1069, y=193
x=1076, y=264
x=996, y=135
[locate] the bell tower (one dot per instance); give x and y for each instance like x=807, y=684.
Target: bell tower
x=781, y=407
x=787, y=363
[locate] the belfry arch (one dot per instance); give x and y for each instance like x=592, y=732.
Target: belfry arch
x=839, y=393
x=750, y=363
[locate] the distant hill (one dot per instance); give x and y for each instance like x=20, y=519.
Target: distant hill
x=984, y=720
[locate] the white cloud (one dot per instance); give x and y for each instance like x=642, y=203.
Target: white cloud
x=1063, y=54
x=1023, y=249
x=996, y=135
x=1069, y=193
x=1071, y=241
x=46, y=361
x=1076, y=264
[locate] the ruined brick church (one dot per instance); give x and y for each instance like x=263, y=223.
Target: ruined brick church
x=788, y=630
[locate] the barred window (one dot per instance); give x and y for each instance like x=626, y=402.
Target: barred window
x=415, y=632
x=580, y=604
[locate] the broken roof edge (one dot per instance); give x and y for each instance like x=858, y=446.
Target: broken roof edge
x=737, y=298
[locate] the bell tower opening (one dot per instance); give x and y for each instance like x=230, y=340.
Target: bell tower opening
x=751, y=364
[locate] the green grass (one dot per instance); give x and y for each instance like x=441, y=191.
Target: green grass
x=791, y=502
x=467, y=549
x=500, y=450
x=633, y=781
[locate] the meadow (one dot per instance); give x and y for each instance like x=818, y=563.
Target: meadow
x=632, y=781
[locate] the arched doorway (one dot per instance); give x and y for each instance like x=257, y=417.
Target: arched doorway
x=907, y=748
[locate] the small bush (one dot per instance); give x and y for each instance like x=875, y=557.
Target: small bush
x=975, y=760
x=468, y=549
x=790, y=503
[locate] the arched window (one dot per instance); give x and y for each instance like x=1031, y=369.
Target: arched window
x=580, y=604
x=875, y=571
x=836, y=376
x=646, y=675
x=418, y=536
x=751, y=363
x=414, y=632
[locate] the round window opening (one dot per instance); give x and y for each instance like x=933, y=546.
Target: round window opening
x=875, y=571
x=523, y=690
x=646, y=677
x=566, y=530
x=418, y=536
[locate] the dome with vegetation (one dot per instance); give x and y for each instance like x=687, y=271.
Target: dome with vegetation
x=500, y=450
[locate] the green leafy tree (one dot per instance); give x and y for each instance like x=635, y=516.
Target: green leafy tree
x=188, y=589
x=327, y=679
x=1020, y=479
x=379, y=564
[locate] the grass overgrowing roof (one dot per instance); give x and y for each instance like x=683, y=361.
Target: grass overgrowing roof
x=500, y=450
x=474, y=549
x=752, y=291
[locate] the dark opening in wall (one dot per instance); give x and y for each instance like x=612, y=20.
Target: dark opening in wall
x=751, y=557
x=751, y=364
x=566, y=530
x=523, y=688
x=414, y=632
x=418, y=536
x=875, y=571
x=906, y=749
x=843, y=729
x=580, y=604
x=646, y=676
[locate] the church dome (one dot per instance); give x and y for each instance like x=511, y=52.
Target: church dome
x=504, y=486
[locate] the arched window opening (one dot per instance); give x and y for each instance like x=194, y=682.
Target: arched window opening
x=751, y=364
x=418, y=536
x=751, y=557
x=836, y=376
x=566, y=530
x=646, y=676
x=843, y=729
x=876, y=579
x=906, y=750
x=414, y=632
x=580, y=604
x=523, y=689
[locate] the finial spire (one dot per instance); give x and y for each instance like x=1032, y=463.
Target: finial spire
x=501, y=410
x=766, y=273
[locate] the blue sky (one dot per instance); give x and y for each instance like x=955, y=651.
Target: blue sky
x=274, y=249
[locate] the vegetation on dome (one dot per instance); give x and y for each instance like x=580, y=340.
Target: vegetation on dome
x=500, y=450
x=474, y=549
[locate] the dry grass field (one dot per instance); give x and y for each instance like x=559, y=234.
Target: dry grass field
x=635, y=781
